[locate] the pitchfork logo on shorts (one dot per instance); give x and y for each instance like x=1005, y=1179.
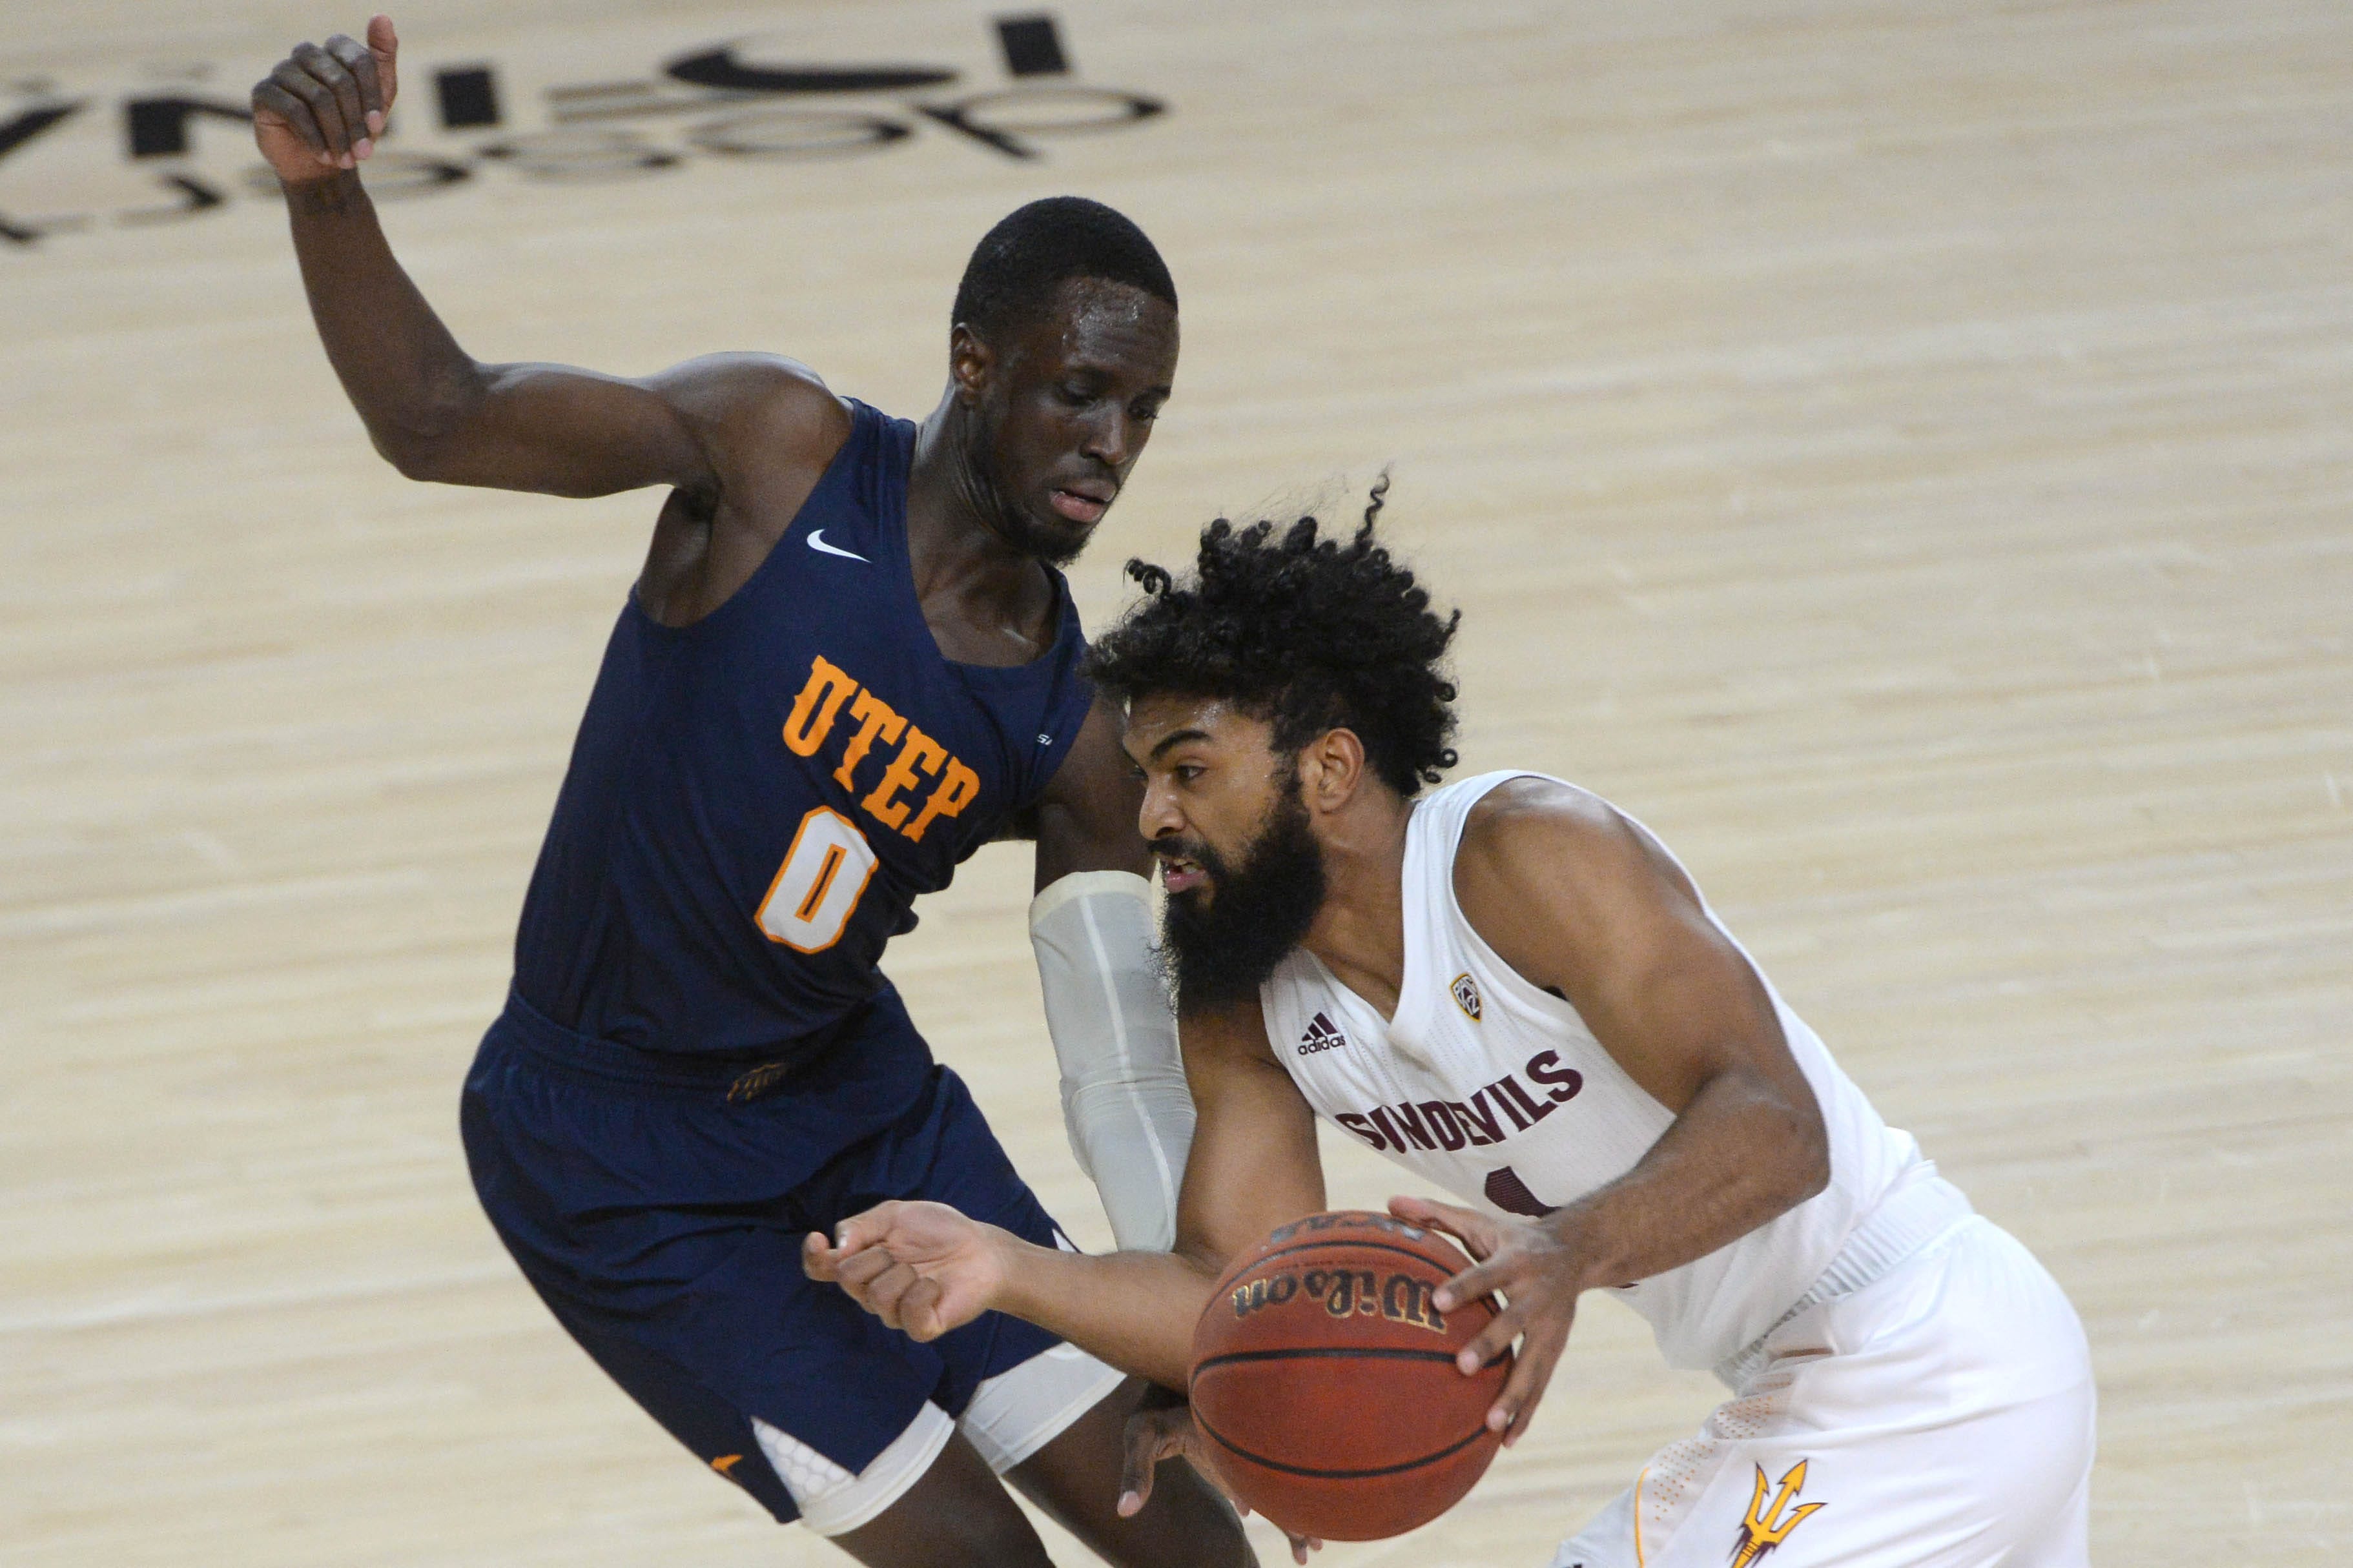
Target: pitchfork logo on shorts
x=1770, y=1522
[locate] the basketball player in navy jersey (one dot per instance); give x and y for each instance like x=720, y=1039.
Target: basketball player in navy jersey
x=849, y=660
x=1513, y=991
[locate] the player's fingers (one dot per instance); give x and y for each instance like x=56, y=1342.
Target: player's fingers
x=384, y=45
x=1485, y=1279
x=319, y=105
x=290, y=86
x=886, y=1293
x=919, y=1311
x=1300, y=1545
x=1147, y=1440
x=1531, y=1375
x=857, y=1271
x=342, y=122
x=817, y=1257
x=321, y=60
x=862, y=1231
x=272, y=104
x=1472, y=1229
x=354, y=57
x=1492, y=1341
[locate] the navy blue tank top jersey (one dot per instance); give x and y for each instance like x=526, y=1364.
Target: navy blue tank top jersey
x=755, y=800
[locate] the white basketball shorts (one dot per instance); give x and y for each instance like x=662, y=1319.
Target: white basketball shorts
x=1938, y=1418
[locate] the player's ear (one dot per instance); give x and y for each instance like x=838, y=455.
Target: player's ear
x=1331, y=770
x=969, y=363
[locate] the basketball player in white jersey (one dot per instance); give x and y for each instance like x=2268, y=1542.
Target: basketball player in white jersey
x=1513, y=990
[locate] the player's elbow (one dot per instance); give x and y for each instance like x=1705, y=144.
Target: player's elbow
x=413, y=456
x=1806, y=1148
x=431, y=436
x=1785, y=1147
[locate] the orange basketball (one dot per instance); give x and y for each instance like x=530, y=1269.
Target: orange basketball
x=1324, y=1385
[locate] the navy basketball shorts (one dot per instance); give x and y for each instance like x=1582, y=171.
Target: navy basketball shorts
x=661, y=1223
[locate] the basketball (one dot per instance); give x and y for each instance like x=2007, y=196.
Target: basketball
x=1323, y=1379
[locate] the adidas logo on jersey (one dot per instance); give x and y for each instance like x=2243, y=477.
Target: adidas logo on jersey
x=1323, y=1035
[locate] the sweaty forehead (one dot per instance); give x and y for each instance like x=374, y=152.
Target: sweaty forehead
x=1165, y=721
x=1095, y=321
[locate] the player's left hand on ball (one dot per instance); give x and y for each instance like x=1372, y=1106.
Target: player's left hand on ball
x=1168, y=1433
x=1535, y=1275
x=923, y=1269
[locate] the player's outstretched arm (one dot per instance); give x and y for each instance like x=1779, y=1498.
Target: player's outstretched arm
x=924, y=1269
x=430, y=408
x=1582, y=902
x=1125, y=1101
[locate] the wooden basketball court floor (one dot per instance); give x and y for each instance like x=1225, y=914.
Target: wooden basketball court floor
x=1900, y=451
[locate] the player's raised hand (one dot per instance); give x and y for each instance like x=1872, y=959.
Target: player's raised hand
x=1535, y=1273
x=321, y=108
x=1167, y=1432
x=921, y=1268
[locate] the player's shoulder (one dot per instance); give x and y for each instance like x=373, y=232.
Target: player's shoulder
x=1532, y=839
x=763, y=402
x=1530, y=811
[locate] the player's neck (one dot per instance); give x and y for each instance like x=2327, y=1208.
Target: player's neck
x=987, y=601
x=952, y=534
x=1359, y=934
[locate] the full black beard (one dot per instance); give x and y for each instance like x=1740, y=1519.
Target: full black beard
x=1220, y=953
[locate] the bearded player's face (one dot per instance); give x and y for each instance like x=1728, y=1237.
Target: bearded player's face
x=1065, y=405
x=1239, y=856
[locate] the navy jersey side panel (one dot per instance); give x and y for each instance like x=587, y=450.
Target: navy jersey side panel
x=754, y=801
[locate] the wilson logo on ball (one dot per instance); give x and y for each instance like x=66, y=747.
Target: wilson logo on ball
x=1347, y=1292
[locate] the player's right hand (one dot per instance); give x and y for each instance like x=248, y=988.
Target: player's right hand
x=321, y=108
x=921, y=1268
x=1161, y=1432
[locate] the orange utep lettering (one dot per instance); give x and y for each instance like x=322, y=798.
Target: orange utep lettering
x=875, y=717
x=920, y=752
x=813, y=710
x=959, y=787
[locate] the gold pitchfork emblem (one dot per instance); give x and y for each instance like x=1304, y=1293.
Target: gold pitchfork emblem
x=1766, y=1527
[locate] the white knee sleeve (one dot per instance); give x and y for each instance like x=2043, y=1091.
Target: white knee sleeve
x=1124, y=1102
x=832, y=1500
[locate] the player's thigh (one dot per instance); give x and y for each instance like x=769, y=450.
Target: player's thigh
x=1075, y=1479
x=1986, y=1494
x=956, y=1515
x=1948, y=1426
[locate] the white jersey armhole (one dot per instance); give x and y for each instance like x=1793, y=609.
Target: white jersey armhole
x=1475, y=790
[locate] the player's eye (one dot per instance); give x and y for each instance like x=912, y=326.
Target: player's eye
x=1187, y=771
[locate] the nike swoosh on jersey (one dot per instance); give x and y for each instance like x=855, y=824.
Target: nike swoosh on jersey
x=817, y=542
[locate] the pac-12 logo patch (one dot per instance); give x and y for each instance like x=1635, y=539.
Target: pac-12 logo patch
x=1769, y=1522
x=1466, y=994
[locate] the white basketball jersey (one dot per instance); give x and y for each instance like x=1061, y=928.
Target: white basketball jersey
x=1495, y=1091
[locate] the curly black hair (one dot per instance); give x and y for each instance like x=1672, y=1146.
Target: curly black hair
x=1310, y=633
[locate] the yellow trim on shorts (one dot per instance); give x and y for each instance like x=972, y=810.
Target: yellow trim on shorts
x=1637, y=1515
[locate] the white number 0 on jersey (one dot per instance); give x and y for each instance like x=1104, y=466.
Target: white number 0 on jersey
x=822, y=877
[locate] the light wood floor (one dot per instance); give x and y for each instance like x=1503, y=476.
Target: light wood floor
x=1900, y=451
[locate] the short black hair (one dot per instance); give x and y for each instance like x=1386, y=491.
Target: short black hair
x=1310, y=633
x=1017, y=265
